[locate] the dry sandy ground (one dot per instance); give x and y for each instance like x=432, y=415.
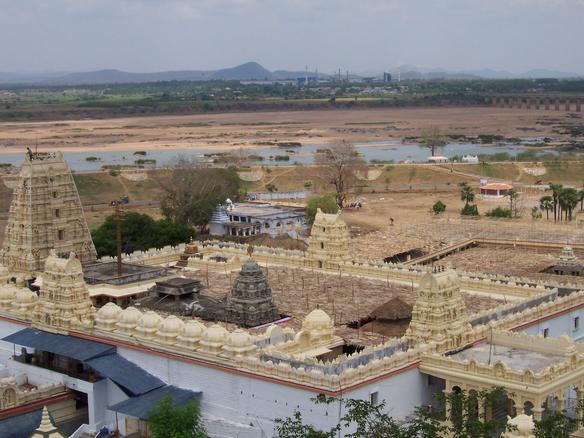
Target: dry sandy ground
x=235, y=130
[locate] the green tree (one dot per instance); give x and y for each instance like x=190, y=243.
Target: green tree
x=326, y=203
x=568, y=200
x=191, y=193
x=555, y=425
x=546, y=203
x=439, y=207
x=139, y=232
x=364, y=419
x=513, y=196
x=581, y=199
x=556, y=189
x=467, y=194
x=166, y=420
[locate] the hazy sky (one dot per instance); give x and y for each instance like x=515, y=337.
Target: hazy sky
x=359, y=35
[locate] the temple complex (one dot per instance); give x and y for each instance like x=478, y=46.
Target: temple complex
x=109, y=366
x=45, y=214
x=250, y=302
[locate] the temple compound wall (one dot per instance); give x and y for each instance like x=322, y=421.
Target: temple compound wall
x=45, y=213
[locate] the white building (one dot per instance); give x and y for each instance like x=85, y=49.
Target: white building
x=252, y=219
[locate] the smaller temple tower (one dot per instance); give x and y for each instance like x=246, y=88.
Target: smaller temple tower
x=45, y=213
x=568, y=263
x=251, y=303
x=64, y=301
x=439, y=314
x=329, y=241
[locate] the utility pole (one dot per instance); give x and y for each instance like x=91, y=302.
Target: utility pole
x=118, y=239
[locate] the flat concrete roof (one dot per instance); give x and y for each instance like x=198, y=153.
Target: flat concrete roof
x=515, y=358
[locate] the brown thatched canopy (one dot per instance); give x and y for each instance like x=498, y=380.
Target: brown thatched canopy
x=393, y=310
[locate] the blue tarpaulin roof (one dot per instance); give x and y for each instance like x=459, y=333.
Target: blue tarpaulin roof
x=139, y=407
x=68, y=346
x=125, y=373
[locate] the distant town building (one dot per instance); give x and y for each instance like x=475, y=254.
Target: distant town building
x=250, y=219
x=386, y=77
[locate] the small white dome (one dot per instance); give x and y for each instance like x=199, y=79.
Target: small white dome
x=110, y=311
x=171, y=325
x=193, y=329
x=130, y=315
x=317, y=319
x=239, y=339
x=150, y=320
x=215, y=334
x=25, y=296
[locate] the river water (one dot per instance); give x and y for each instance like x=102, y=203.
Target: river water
x=392, y=150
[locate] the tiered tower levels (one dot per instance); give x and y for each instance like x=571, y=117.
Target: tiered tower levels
x=45, y=214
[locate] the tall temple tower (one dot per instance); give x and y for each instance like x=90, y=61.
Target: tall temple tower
x=329, y=240
x=45, y=214
x=439, y=314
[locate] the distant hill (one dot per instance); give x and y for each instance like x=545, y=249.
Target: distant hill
x=247, y=71
x=254, y=71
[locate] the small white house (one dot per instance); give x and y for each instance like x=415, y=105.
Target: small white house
x=470, y=159
x=438, y=159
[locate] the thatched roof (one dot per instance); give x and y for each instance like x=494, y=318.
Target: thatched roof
x=393, y=310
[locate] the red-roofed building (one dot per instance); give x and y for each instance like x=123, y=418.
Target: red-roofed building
x=495, y=190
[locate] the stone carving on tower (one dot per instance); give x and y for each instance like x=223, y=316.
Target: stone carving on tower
x=329, y=240
x=250, y=302
x=64, y=301
x=439, y=314
x=45, y=214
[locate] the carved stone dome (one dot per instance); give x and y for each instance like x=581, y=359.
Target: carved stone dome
x=109, y=312
x=130, y=315
x=25, y=296
x=107, y=316
x=317, y=320
x=215, y=334
x=193, y=329
x=169, y=329
x=150, y=320
x=4, y=274
x=239, y=342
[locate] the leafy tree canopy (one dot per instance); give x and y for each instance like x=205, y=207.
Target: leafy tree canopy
x=139, y=232
x=327, y=203
x=168, y=421
x=191, y=193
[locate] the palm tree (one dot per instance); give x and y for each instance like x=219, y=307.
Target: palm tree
x=513, y=196
x=546, y=203
x=568, y=200
x=556, y=189
x=581, y=199
x=466, y=193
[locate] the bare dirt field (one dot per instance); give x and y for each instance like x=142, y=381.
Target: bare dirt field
x=235, y=130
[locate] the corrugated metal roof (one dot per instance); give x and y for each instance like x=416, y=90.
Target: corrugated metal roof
x=68, y=346
x=125, y=373
x=139, y=407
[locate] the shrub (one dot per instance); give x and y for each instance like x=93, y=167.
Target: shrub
x=499, y=212
x=469, y=210
x=439, y=207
